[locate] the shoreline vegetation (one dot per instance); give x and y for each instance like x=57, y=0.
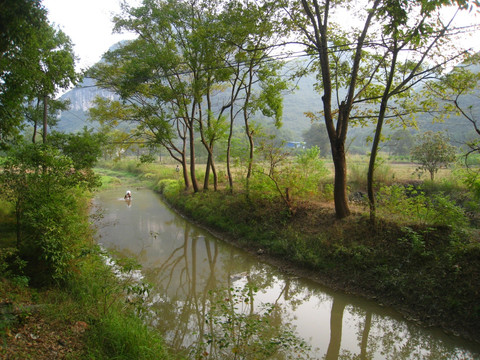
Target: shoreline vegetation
x=367, y=263
x=430, y=274
x=59, y=298
x=428, y=271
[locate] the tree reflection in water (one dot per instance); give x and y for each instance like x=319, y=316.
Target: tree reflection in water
x=184, y=264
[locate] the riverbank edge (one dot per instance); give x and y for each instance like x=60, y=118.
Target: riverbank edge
x=336, y=279
x=74, y=318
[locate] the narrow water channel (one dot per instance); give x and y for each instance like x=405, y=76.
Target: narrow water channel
x=183, y=262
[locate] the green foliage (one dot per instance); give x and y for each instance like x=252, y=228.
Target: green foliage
x=108, y=295
x=12, y=266
x=170, y=188
x=20, y=22
x=37, y=60
x=46, y=192
x=472, y=180
x=409, y=205
x=311, y=170
x=83, y=148
x=433, y=151
x=124, y=337
x=236, y=332
x=287, y=177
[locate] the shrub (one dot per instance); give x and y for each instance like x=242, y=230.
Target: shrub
x=46, y=192
x=410, y=205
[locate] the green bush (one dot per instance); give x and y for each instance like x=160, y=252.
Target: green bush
x=124, y=337
x=169, y=187
x=46, y=192
x=409, y=205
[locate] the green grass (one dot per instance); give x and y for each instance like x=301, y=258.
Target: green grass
x=421, y=264
x=91, y=295
x=421, y=255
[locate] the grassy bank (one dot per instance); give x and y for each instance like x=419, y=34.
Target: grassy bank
x=432, y=274
x=422, y=257
x=85, y=315
x=87, y=318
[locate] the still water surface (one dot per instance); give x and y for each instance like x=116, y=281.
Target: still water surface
x=184, y=262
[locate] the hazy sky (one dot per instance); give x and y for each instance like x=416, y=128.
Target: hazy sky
x=88, y=24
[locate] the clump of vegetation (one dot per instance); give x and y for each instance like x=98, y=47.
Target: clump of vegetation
x=53, y=268
x=235, y=330
x=433, y=150
x=419, y=254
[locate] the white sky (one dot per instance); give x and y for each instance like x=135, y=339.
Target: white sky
x=88, y=24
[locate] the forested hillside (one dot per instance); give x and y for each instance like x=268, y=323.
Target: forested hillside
x=299, y=99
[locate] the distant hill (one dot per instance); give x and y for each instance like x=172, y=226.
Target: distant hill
x=296, y=103
x=81, y=100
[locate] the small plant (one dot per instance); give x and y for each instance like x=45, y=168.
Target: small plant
x=412, y=205
x=236, y=331
x=414, y=240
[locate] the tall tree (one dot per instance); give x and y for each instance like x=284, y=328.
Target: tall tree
x=413, y=49
x=338, y=77
x=34, y=113
x=176, y=74
x=37, y=60
x=54, y=67
x=347, y=66
x=20, y=21
x=154, y=80
x=256, y=85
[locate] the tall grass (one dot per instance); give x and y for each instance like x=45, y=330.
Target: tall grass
x=115, y=329
x=384, y=174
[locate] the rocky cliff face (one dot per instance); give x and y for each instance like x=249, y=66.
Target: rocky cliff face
x=81, y=100
x=82, y=96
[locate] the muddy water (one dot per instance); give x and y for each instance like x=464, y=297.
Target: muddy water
x=184, y=262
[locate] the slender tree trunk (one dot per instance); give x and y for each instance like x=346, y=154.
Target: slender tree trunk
x=229, y=145
x=34, y=136
x=371, y=165
x=340, y=186
x=185, y=171
x=251, y=145
x=229, y=140
x=247, y=125
x=18, y=210
x=45, y=116
x=378, y=133
x=206, y=179
x=214, y=172
x=35, y=121
x=192, y=157
x=210, y=167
